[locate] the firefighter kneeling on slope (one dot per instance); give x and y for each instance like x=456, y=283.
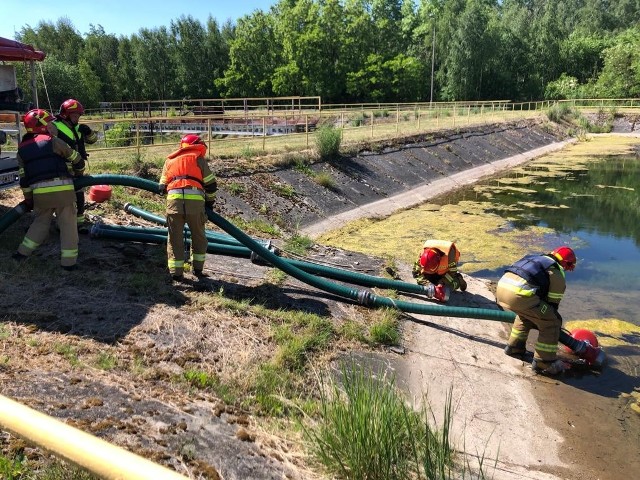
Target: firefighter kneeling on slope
x=47, y=186
x=532, y=288
x=190, y=187
x=438, y=264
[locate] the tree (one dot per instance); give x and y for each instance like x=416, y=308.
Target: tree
x=191, y=58
x=254, y=55
x=155, y=65
x=100, y=55
x=60, y=39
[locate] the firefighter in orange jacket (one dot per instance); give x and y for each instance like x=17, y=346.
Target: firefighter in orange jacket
x=47, y=185
x=76, y=136
x=438, y=264
x=190, y=187
x=532, y=288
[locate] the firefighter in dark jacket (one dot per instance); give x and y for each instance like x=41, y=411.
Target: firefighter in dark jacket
x=438, y=264
x=46, y=179
x=190, y=186
x=76, y=136
x=532, y=288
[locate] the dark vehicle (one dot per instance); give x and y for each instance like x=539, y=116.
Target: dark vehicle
x=12, y=104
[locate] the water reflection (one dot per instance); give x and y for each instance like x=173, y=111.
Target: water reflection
x=595, y=208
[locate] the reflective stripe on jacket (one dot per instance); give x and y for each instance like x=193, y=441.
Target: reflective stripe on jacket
x=539, y=275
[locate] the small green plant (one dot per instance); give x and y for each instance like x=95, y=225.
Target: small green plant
x=385, y=330
x=13, y=468
x=325, y=180
x=4, y=332
x=257, y=226
x=248, y=152
x=358, y=121
x=283, y=189
x=276, y=276
x=106, y=361
x=328, y=140
x=298, y=244
x=68, y=351
x=236, y=188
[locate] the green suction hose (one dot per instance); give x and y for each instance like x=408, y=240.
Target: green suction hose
x=363, y=297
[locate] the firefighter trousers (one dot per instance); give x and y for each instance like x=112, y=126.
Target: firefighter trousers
x=179, y=214
x=532, y=313
x=62, y=203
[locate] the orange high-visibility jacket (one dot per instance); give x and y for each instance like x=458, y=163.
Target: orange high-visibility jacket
x=181, y=169
x=448, y=261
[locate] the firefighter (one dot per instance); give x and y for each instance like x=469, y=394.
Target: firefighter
x=76, y=136
x=438, y=264
x=190, y=187
x=532, y=288
x=47, y=185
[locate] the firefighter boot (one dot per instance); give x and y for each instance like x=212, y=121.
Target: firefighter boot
x=462, y=282
x=518, y=350
x=549, y=368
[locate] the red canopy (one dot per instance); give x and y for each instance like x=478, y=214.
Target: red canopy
x=11, y=51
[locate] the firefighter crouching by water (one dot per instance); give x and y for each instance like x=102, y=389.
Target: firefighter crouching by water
x=190, y=186
x=438, y=264
x=76, y=136
x=47, y=186
x=532, y=288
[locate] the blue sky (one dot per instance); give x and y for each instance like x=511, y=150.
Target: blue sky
x=120, y=17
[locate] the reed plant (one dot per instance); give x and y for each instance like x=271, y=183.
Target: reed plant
x=367, y=430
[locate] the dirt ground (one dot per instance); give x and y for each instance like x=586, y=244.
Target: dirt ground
x=57, y=333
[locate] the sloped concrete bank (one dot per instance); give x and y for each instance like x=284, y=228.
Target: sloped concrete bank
x=374, y=176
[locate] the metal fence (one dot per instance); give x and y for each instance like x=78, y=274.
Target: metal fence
x=273, y=125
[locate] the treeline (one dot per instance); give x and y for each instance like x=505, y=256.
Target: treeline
x=357, y=51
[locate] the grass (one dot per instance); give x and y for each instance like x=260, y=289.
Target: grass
x=18, y=467
x=298, y=244
x=385, y=330
x=365, y=429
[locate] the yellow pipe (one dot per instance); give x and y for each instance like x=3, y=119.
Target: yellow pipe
x=91, y=453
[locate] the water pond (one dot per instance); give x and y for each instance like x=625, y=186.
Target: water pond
x=585, y=196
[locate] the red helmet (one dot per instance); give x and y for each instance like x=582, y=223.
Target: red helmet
x=566, y=257
x=429, y=260
x=71, y=106
x=35, y=121
x=191, y=139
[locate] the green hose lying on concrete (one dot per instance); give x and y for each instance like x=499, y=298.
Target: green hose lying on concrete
x=364, y=297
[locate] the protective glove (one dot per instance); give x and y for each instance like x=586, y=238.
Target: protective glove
x=162, y=189
x=208, y=205
x=27, y=203
x=85, y=130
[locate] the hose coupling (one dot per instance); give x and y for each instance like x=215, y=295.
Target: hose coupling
x=366, y=298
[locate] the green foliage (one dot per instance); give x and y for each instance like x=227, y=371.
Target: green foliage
x=328, y=139
x=119, y=135
x=298, y=244
x=106, y=361
x=385, y=330
x=559, y=111
x=325, y=180
x=283, y=189
x=235, y=188
x=18, y=467
x=366, y=430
